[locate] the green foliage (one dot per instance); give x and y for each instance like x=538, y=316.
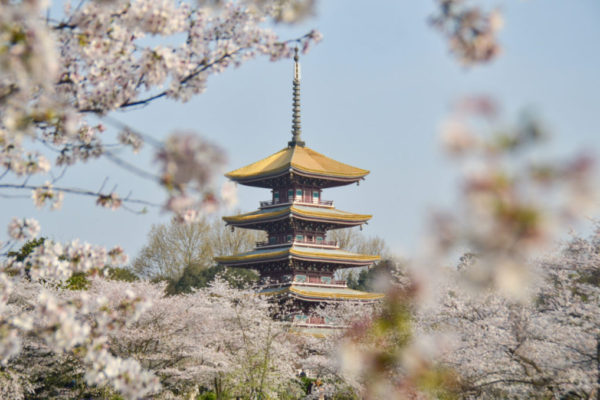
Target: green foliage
x=307, y=384
x=26, y=249
x=590, y=277
x=440, y=383
x=195, y=276
x=23, y=252
x=57, y=381
x=366, y=278
x=207, y=396
x=77, y=281
x=345, y=393
x=361, y=281
x=122, y=274
x=310, y=385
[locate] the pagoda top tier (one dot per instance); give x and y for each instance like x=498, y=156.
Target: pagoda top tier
x=297, y=164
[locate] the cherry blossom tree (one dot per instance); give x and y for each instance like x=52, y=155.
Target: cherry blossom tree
x=96, y=59
x=511, y=208
x=541, y=347
x=38, y=307
x=219, y=339
x=59, y=76
x=56, y=73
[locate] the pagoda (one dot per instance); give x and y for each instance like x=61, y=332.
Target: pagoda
x=297, y=261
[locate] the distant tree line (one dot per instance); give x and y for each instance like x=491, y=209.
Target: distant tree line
x=183, y=255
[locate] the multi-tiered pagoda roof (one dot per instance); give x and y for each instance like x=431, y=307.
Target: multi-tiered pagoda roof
x=297, y=260
x=297, y=164
x=290, y=213
x=302, y=252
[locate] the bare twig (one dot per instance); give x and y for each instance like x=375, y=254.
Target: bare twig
x=82, y=192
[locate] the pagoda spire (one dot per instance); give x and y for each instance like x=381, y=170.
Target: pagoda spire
x=296, y=129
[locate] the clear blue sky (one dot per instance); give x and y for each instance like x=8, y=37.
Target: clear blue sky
x=373, y=94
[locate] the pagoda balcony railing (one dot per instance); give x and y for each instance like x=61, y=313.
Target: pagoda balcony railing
x=322, y=243
x=313, y=321
x=272, y=203
x=318, y=282
x=320, y=326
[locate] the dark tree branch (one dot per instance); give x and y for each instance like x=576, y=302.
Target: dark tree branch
x=82, y=192
x=199, y=69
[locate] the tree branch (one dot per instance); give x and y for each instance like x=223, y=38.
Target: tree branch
x=82, y=192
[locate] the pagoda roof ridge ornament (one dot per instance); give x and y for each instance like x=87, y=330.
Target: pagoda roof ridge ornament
x=296, y=126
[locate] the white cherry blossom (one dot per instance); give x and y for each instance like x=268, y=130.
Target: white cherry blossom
x=23, y=229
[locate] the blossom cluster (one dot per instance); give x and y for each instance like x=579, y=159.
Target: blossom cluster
x=44, y=194
x=97, y=58
x=188, y=164
x=470, y=31
x=23, y=229
x=511, y=208
x=217, y=337
x=33, y=303
x=512, y=205
x=544, y=345
x=56, y=262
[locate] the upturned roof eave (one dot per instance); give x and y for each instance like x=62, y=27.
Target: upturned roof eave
x=331, y=295
x=254, y=179
x=250, y=219
x=290, y=253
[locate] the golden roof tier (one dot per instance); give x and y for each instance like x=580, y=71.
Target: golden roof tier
x=297, y=252
x=291, y=214
x=297, y=164
x=324, y=293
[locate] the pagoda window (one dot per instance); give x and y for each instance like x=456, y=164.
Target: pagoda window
x=275, y=197
x=289, y=238
x=326, y=279
x=300, y=278
x=290, y=194
x=299, y=194
x=315, y=196
x=300, y=318
x=272, y=239
x=299, y=238
x=320, y=239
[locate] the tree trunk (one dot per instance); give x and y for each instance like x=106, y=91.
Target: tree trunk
x=218, y=391
x=598, y=367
